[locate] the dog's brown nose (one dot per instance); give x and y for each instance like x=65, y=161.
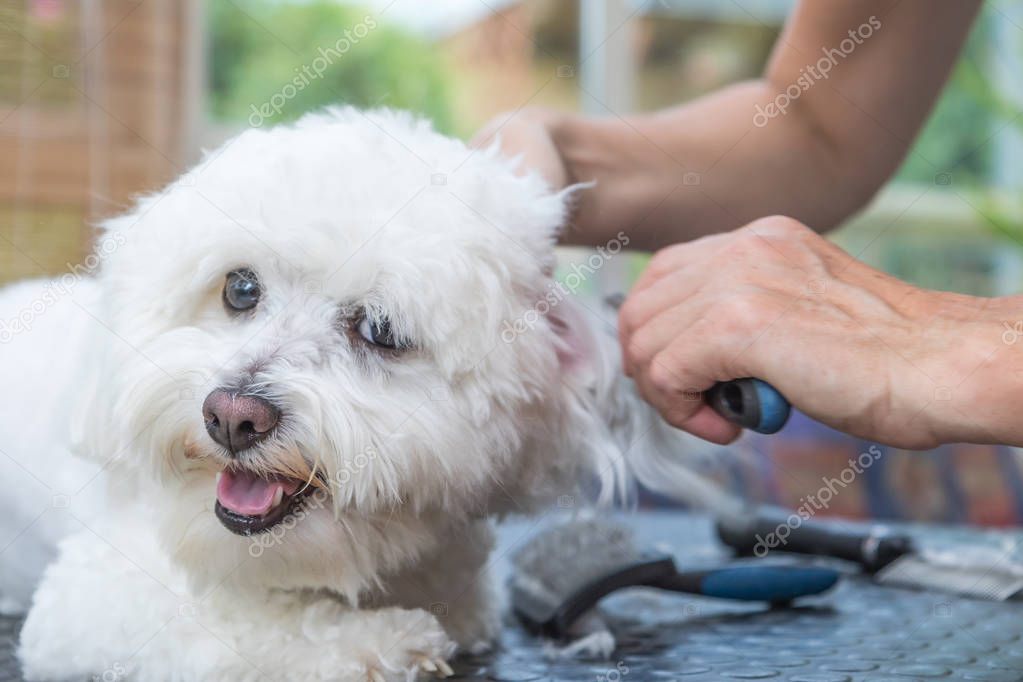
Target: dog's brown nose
x=238, y=421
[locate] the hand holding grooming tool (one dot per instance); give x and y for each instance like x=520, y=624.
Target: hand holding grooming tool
x=750, y=403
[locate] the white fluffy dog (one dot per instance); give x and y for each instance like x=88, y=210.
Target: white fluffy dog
x=303, y=380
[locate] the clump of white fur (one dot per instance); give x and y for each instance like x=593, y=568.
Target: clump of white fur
x=414, y=451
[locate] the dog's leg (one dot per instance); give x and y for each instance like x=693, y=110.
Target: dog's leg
x=454, y=585
x=100, y=606
x=304, y=636
x=111, y=605
x=331, y=641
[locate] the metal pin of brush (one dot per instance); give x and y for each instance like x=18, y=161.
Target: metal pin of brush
x=891, y=558
x=564, y=571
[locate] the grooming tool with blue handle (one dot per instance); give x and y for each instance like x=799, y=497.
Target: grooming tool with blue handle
x=776, y=584
x=564, y=571
x=750, y=403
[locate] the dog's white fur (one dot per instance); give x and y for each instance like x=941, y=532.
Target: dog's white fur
x=383, y=577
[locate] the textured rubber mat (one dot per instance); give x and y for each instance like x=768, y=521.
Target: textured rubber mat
x=8, y=639
x=860, y=632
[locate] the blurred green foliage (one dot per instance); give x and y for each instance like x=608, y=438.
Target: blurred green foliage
x=272, y=61
x=962, y=134
x=1001, y=210
x=955, y=138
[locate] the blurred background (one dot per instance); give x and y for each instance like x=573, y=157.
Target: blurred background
x=101, y=100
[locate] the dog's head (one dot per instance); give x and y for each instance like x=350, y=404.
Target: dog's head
x=329, y=343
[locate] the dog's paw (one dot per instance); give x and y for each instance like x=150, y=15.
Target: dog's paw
x=434, y=666
x=420, y=663
x=590, y=638
x=411, y=645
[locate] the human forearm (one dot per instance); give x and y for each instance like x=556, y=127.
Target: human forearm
x=851, y=82
x=702, y=168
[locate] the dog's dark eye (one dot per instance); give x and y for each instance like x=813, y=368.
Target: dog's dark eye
x=241, y=290
x=377, y=332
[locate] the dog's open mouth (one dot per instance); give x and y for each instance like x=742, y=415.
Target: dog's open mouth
x=248, y=504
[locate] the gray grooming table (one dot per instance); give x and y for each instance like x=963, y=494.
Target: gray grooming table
x=8, y=636
x=858, y=633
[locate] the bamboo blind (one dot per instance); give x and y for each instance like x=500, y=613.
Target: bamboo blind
x=91, y=114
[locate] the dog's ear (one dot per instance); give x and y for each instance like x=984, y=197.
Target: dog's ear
x=577, y=347
x=617, y=435
x=95, y=432
x=92, y=428
x=589, y=393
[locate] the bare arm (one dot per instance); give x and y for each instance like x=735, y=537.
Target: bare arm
x=836, y=143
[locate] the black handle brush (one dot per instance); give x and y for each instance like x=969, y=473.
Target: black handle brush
x=870, y=547
x=890, y=558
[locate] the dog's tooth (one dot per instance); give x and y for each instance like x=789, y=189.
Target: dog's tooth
x=278, y=497
x=219, y=474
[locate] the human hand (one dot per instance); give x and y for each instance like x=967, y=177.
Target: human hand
x=529, y=134
x=850, y=346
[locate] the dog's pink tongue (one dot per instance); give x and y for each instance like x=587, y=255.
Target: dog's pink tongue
x=245, y=493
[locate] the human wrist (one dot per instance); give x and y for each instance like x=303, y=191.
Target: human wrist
x=563, y=128
x=996, y=386
x=977, y=390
